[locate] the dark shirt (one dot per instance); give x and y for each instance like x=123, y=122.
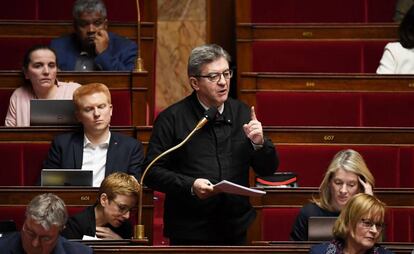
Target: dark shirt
x=84, y=223
x=218, y=151
x=300, y=228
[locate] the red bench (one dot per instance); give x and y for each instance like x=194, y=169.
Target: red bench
x=351, y=109
x=392, y=166
x=317, y=11
x=329, y=56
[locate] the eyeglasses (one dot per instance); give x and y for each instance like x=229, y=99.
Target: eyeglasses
x=216, y=76
x=123, y=209
x=368, y=224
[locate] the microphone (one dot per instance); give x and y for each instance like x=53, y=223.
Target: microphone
x=209, y=115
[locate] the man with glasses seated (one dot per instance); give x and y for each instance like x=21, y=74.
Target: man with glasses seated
x=108, y=218
x=45, y=217
x=92, y=47
x=224, y=149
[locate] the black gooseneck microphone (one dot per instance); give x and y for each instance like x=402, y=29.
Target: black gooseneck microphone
x=209, y=114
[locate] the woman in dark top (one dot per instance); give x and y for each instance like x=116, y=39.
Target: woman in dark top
x=357, y=229
x=109, y=217
x=346, y=176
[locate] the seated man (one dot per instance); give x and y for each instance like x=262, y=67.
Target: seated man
x=95, y=147
x=91, y=47
x=108, y=218
x=45, y=217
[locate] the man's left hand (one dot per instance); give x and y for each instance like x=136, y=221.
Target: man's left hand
x=253, y=129
x=101, y=41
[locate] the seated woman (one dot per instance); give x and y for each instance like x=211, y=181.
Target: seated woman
x=39, y=70
x=357, y=229
x=109, y=217
x=398, y=57
x=346, y=176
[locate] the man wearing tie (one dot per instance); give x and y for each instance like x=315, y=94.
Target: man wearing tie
x=224, y=149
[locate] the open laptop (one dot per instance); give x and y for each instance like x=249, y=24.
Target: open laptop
x=66, y=177
x=52, y=112
x=320, y=228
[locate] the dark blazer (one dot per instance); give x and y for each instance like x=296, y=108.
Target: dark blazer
x=119, y=56
x=12, y=244
x=125, y=154
x=84, y=223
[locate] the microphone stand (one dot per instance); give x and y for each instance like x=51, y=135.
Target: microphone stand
x=139, y=63
x=139, y=228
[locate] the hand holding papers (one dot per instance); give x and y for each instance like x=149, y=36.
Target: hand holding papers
x=232, y=188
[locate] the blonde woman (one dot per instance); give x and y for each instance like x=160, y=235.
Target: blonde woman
x=109, y=217
x=346, y=176
x=358, y=228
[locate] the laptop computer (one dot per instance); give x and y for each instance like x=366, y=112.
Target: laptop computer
x=320, y=228
x=52, y=112
x=66, y=177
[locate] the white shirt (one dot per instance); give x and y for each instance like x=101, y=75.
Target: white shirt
x=396, y=60
x=94, y=158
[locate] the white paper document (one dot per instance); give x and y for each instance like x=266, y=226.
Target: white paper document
x=232, y=188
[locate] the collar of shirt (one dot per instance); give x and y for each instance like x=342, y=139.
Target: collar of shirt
x=88, y=143
x=219, y=109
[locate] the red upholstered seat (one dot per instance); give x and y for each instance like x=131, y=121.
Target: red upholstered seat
x=307, y=56
x=372, y=55
x=118, y=11
x=380, y=10
x=4, y=103
x=299, y=11
x=11, y=173
x=308, y=109
x=399, y=225
x=388, y=109
x=14, y=49
x=33, y=156
x=277, y=223
x=310, y=162
x=122, y=112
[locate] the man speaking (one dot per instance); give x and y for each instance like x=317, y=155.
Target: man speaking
x=224, y=149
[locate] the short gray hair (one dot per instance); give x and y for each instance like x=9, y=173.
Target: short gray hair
x=47, y=209
x=88, y=6
x=203, y=55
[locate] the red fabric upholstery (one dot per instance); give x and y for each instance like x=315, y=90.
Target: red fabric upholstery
x=308, y=109
x=4, y=103
x=158, y=226
x=307, y=56
x=19, y=9
x=380, y=10
x=311, y=161
x=15, y=213
x=33, y=156
x=11, y=173
x=277, y=223
x=118, y=11
x=388, y=109
x=406, y=167
x=400, y=225
x=299, y=11
x=372, y=55
x=122, y=112
x=14, y=49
